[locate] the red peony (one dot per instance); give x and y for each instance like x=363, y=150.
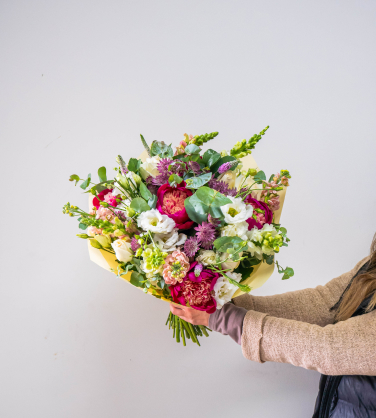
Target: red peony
x=105, y=196
x=196, y=292
x=171, y=203
x=262, y=218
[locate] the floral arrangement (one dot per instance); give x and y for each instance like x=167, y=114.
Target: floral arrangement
x=186, y=226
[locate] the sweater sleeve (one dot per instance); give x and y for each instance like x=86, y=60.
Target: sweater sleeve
x=346, y=348
x=307, y=305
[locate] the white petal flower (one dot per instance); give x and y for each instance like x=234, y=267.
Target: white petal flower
x=237, y=211
x=229, y=264
x=154, y=221
x=122, y=250
x=206, y=257
x=224, y=290
x=149, y=167
x=169, y=242
x=235, y=230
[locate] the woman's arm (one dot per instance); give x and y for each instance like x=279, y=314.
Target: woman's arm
x=345, y=348
x=307, y=305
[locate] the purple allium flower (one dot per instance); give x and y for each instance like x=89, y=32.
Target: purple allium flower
x=227, y=166
x=198, y=269
x=194, y=166
x=214, y=221
x=191, y=246
x=121, y=215
x=206, y=235
x=222, y=187
x=134, y=244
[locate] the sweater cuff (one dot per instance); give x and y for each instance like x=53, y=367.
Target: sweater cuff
x=228, y=321
x=252, y=335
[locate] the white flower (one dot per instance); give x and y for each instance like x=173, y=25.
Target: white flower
x=149, y=167
x=235, y=230
x=134, y=177
x=169, y=242
x=229, y=264
x=122, y=250
x=256, y=236
x=224, y=290
x=254, y=250
x=237, y=211
x=206, y=257
x=154, y=221
x=150, y=272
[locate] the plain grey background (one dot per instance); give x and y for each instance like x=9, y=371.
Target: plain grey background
x=80, y=80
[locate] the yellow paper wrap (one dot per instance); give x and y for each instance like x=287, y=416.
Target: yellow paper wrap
x=259, y=276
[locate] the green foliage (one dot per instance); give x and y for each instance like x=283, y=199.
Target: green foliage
x=259, y=177
x=196, y=210
x=246, y=267
x=161, y=149
x=201, y=139
x=82, y=226
x=94, y=243
x=287, y=272
x=196, y=182
x=137, y=279
x=86, y=183
x=152, y=202
x=102, y=174
x=243, y=148
x=230, y=245
x=75, y=178
x=221, y=161
x=192, y=149
x=134, y=165
x=174, y=180
x=243, y=287
x=139, y=205
x=145, y=192
x=269, y=259
x=210, y=157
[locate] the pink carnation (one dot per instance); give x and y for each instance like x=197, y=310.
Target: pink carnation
x=105, y=196
x=176, y=267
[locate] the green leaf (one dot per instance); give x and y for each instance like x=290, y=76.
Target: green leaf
x=259, y=177
x=82, y=226
x=283, y=230
x=210, y=157
x=161, y=149
x=243, y=287
x=196, y=182
x=174, y=180
x=94, y=243
x=192, y=149
x=221, y=161
x=86, y=183
x=137, y=279
x=145, y=192
x=75, y=178
x=271, y=178
x=152, y=202
x=139, y=205
x=196, y=210
x=269, y=259
x=134, y=165
x=246, y=267
x=211, y=197
x=230, y=244
x=102, y=174
x=289, y=272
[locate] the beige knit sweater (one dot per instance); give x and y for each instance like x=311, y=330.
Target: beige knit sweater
x=297, y=328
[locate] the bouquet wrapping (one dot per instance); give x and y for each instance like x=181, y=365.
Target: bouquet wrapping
x=192, y=227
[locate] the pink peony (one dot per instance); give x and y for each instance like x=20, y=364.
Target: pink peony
x=105, y=196
x=171, y=203
x=176, y=267
x=196, y=292
x=262, y=218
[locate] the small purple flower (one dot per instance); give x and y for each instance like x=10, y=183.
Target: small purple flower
x=222, y=187
x=121, y=215
x=194, y=166
x=134, y=244
x=198, y=269
x=206, y=235
x=227, y=166
x=191, y=246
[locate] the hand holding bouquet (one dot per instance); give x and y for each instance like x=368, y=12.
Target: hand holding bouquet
x=188, y=227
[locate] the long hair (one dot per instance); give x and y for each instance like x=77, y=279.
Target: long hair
x=362, y=287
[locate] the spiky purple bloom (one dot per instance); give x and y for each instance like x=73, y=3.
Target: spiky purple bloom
x=227, y=166
x=222, y=187
x=198, y=269
x=121, y=215
x=206, y=235
x=191, y=246
x=134, y=244
x=214, y=221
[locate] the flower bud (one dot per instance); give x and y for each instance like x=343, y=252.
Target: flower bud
x=83, y=236
x=139, y=252
x=130, y=212
x=104, y=241
x=252, y=172
x=94, y=243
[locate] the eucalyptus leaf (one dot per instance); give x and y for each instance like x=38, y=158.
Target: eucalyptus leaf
x=161, y=149
x=210, y=157
x=102, y=174
x=145, y=192
x=152, y=202
x=137, y=279
x=196, y=210
x=192, y=149
x=211, y=197
x=82, y=226
x=289, y=272
x=174, y=180
x=259, y=177
x=139, y=205
x=196, y=182
x=230, y=244
x=134, y=165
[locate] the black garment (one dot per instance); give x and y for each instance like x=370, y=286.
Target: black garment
x=347, y=396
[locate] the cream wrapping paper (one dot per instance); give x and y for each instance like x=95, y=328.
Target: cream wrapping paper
x=259, y=276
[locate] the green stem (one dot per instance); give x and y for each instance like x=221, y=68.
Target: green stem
x=177, y=322
x=202, y=328
x=182, y=333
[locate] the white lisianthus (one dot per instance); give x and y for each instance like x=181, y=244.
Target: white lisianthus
x=235, y=230
x=153, y=221
x=224, y=290
x=229, y=264
x=256, y=236
x=206, y=257
x=122, y=250
x=134, y=177
x=104, y=241
x=254, y=250
x=169, y=242
x=149, y=167
x=237, y=211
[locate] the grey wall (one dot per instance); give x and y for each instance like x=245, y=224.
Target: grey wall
x=79, y=81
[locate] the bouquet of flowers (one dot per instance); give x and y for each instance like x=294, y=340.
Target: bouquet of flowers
x=190, y=227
